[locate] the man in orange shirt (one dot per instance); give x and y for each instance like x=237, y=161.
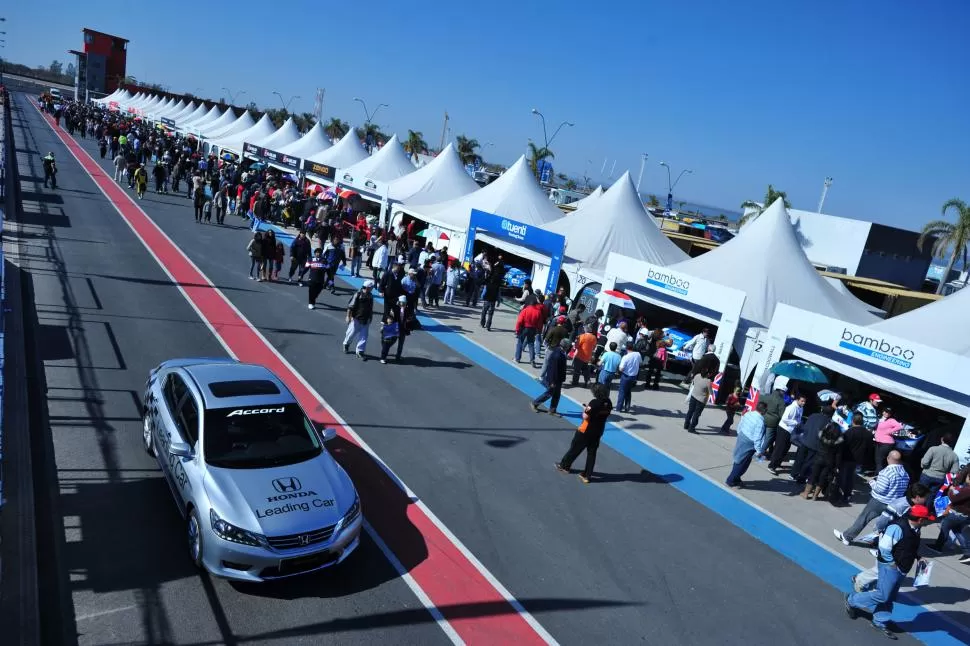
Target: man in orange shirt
x=585, y=345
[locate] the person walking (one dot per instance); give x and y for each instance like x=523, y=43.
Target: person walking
x=553, y=377
x=317, y=278
x=50, y=170
x=776, y=408
x=493, y=285
x=939, y=461
x=790, y=420
x=158, y=172
x=390, y=332
x=898, y=551
x=582, y=362
x=700, y=391
x=891, y=483
x=360, y=310
x=587, y=437
x=119, y=164
x=378, y=261
x=808, y=446
x=609, y=366
x=451, y=282
x=629, y=371
x=526, y=327
x=916, y=494
x=751, y=435
x=299, y=254
x=198, y=201
x=255, y=249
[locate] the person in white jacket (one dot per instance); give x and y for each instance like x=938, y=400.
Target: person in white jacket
x=378, y=262
x=790, y=420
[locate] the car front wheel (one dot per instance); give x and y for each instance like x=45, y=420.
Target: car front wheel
x=147, y=435
x=193, y=534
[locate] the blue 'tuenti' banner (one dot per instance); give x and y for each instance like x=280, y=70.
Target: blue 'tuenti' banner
x=527, y=235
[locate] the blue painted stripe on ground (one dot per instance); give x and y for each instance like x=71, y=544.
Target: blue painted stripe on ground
x=929, y=626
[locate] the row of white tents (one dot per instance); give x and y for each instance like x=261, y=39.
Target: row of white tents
x=760, y=289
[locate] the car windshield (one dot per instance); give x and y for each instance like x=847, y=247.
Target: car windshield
x=258, y=437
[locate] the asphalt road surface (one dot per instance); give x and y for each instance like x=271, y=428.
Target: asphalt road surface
x=627, y=560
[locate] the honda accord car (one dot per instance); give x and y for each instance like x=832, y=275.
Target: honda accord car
x=261, y=496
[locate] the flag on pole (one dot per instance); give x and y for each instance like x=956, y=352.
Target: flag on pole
x=715, y=387
x=751, y=403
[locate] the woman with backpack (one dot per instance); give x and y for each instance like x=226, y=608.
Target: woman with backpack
x=824, y=468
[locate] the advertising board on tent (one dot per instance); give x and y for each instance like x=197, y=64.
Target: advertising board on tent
x=680, y=292
x=279, y=160
x=549, y=244
x=907, y=368
x=317, y=171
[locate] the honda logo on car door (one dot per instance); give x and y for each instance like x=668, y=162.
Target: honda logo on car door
x=287, y=485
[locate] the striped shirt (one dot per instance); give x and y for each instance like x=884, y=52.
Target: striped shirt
x=890, y=484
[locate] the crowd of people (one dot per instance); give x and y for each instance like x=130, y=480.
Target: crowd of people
x=834, y=444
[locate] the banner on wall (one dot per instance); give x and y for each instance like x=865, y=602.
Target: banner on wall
x=320, y=170
x=536, y=238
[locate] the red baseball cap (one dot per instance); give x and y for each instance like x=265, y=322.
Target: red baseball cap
x=921, y=511
x=874, y=397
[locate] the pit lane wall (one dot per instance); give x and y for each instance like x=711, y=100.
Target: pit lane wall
x=19, y=598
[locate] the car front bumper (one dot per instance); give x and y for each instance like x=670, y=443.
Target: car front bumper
x=254, y=564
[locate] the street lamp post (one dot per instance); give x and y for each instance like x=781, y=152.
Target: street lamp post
x=369, y=116
x=825, y=191
x=547, y=140
x=232, y=97
x=286, y=104
x=643, y=162
x=671, y=185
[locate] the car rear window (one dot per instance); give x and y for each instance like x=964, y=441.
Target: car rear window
x=243, y=388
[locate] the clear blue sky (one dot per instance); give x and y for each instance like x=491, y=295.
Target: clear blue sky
x=745, y=93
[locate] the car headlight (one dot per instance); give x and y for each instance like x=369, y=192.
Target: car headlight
x=351, y=514
x=229, y=532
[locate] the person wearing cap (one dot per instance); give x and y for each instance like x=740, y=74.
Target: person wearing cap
x=557, y=332
x=393, y=330
x=360, y=310
x=553, y=377
x=870, y=414
x=898, y=551
x=916, y=494
x=629, y=371
x=50, y=170
x=890, y=484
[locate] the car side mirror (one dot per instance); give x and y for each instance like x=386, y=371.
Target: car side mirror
x=327, y=434
x=180, y=449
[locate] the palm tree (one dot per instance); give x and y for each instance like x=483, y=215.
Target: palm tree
x=770, y=196
x=949, y=239
x=468, y=150
x=304, y=121
x=336, y=128
x=536, y=155
x=653, y=202
x=415, y=145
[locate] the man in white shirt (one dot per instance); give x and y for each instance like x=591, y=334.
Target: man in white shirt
x=619, y=336
x=629, y=371
x=789, y=421
x=697, y=347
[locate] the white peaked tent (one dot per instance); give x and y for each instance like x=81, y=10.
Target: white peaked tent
x=941, y=324
x=148, y=103
x=114, y=96
x=312, y=143
x=287, y=134
x=840, y=287
x=209, y=117
x=184, y=114
x=588, y=200
x=768, y=264
x=227, y=119
x=234, y=141
x=173, y=110
x=346, y=152
x=196, y=114
x=386, y=165
x=617, y=222
x=515, y=195
x=244, y=122
x=442, y=179
x=132, y=101
x=164, y=105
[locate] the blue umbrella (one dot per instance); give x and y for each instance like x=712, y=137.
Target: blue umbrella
x=800, y=371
